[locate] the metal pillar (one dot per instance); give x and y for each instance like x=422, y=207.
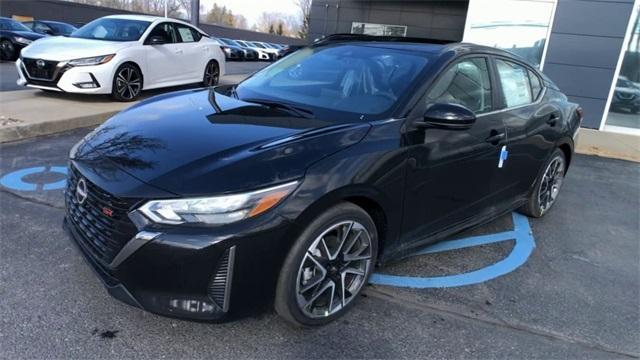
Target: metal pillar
x=195, y=12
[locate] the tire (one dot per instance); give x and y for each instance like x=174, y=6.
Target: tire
x=211, y=75
x=8, y=50
x=310, y=290
x=127, y=83
x=547, y=186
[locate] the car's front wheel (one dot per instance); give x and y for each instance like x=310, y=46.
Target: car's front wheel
x=327, y=266
x=211, y=74
x=547, y=186
x=7, y=50
x=127, y=83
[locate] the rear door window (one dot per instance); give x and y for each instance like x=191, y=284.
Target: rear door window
x=187, y=34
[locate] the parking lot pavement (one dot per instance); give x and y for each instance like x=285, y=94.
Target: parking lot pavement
x=576, y=296
x=8, y=76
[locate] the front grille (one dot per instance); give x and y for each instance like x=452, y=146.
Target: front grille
x=102, y=235
x=45, y=72
x=220, y=284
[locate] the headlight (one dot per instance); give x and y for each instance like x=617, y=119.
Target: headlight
x=96, y=60
x=216, y=210
x=21, y=40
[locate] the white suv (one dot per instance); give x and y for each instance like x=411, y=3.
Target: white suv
x=122, y=55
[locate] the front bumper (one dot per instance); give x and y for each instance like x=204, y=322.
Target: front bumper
x=196, y=274
x=81, y=79
x=193, y=272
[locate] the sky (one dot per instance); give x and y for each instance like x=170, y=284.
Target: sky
x=251, y=9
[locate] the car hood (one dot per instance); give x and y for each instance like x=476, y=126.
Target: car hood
x=199, y=142
x=59, y=48
x=28, y=35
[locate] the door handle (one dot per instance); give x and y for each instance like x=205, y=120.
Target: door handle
x=552, y=120
x=495, y=138
x=178, y=51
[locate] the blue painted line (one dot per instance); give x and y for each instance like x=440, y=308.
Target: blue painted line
x=524, y=245
x=61, y=184
x=13, y=180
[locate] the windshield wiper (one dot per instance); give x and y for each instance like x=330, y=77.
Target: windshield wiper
x=305, y=113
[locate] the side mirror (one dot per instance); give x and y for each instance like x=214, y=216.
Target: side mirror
x=447, y=116
x=47, y=31
x=157, y=40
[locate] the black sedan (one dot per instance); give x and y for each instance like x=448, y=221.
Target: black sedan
x=13, y=37
x=47, y=27
x=290, y=187
x=235, y=51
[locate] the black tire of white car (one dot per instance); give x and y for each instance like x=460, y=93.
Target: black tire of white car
x=539, y=204
x=211, y=75
x=290, y=289
x=127, y=83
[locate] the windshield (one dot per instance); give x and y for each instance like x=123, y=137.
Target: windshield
x=355, y=80
x=60, y=28
x=112, y=29
x=12, y=25
x=257, y=45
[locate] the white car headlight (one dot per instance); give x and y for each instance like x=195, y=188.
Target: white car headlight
x=216, y=210
x=96, y=60
x=21, y=40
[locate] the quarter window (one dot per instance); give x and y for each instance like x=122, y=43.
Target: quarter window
x=466, y=83
x=536, y=87
x=515, y=81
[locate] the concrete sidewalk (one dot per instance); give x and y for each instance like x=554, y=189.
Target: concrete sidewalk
x=30, y=113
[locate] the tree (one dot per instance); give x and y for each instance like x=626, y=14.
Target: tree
x=222, y=16
x=277, y=23
x=305, y=14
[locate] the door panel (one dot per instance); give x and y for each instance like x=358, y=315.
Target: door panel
x=163, y=60
x=530, y=124
x=451, y=170
x=192, y=51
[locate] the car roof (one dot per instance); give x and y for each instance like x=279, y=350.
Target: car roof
x=424, y=46
x=150, y=18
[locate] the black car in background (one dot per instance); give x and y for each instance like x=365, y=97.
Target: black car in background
x=47, y=27
x=236, y=51
x=13, y=37
x=626, y=97
x=291, y=186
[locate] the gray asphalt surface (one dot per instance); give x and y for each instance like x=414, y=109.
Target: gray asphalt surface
x=9, y=74
x=575, y=297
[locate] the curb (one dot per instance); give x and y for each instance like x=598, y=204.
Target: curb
x=31, y=130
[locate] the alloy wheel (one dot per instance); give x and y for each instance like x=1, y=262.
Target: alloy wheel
x=128, y=83
x=334, y=269
x=550, y=184
x=211, y=74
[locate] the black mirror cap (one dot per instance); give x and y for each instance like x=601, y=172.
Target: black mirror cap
x=448, y=116
x=157, y=40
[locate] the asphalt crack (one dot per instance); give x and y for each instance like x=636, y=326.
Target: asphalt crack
x=382, y=294
x=32, y=200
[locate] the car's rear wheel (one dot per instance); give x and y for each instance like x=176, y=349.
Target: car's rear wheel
x=127, y=83
x=547, y=187
x=7, y=50
x=211, y=74
x=327, y=266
